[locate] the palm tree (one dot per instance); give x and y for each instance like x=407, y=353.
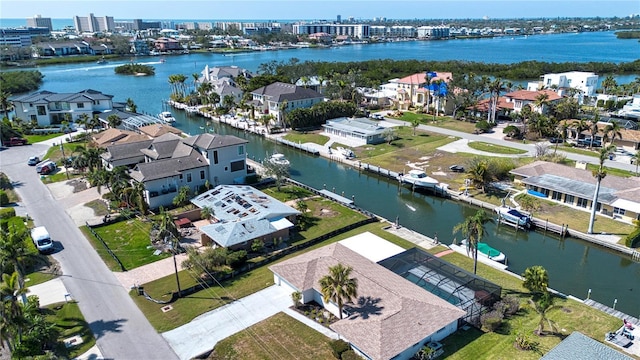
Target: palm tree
x=593, y=128
x=636, y=159
x=284, y=105
x=563, y=132
x=131, y=106
x=580, y=126
x=479, y=172
x=338, y=286
x=608, y=83
x=139, y=198
x=472, y=228
x=612, y=131
x=542, y=307
x=541, y=101
x=5, y=104
x=536, y=279
x=114, y=121
x=195, y=77
x=10, y=292
x=599, y=173
x=14, y=250
x=494, y=88
x=168, y=232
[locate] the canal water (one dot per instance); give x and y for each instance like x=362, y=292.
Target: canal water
x=574, y=266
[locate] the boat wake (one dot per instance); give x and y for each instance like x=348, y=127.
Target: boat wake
x=411, y=207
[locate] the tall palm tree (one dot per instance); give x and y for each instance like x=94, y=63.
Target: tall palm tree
x=608, y=83
x=494, y=88
x=284, y=106
x=599, y=173
x=593, y=128
x=14, y=250
x=5, y=104
x=131, y=106
x=541, y=101
x=611, y=132
x=10, y=292
x=338, y=286
x=563, y=132
x=472, y=228
x=636, y=159
x=114, y=121
x=580, y=126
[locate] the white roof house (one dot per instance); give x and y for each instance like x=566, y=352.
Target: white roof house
x=359, y=130
x=242, y=214
x=585, y=82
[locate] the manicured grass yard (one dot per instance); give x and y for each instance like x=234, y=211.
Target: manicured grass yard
x=298, y=137
x=129, y=240
x=496, y=149
x=278, y=337
x=69, y=321
x=36, y=138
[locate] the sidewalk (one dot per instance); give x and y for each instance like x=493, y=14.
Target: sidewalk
x=147, y=273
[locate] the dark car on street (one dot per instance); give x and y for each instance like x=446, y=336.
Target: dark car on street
x=456, y=168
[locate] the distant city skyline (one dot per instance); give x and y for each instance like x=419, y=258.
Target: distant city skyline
x=317, y=10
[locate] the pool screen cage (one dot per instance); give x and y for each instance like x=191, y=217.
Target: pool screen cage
x=459, y=287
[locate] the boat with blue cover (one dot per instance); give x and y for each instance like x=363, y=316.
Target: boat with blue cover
x=515, y=217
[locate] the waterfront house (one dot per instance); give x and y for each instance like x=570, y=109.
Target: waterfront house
x=420, y=90
x=46, y=49
x=313, y=83
x=522, y=98
x=113, y=136
x=578, y=346
x=619, y=198
x=49, y=108
x=269, y=98
x=242, y=214
x=629, y=140
x=165, y=44
x=126, y=154
x=231, y=73
x=171, y=162
x=581, y=82
x=392, y=317
x=631, y=109
x=157, y=130
x=129, y=120
x=359, y=130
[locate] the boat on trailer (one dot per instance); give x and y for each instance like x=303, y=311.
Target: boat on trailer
x=515, y=217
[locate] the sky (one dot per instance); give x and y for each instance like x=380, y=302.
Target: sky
x=316, y=9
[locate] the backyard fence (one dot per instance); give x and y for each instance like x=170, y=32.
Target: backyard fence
x=106, y=246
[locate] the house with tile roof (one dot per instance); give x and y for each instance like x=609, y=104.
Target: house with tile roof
x=522, y=98
x=619, y=197
x=113, y=136
x=171, y=162
x=157, y=130
x=49, y=108
x=413, y=90
x=242, y=214
x=269, y=98
x=392, y=317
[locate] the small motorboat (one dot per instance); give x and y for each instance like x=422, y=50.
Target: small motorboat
x=279, y=159
x=166, y=116
x=346, y=153
x=419, y=178
x=515, y=217
x=487, y=251
x=102, y=61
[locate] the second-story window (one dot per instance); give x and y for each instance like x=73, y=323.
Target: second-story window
x=215, y=156
x=188, y=177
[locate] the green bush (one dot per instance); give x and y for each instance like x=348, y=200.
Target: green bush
x=4, y=198
x=483, y=125
x=491, y=320
x=236, y=259
x=350, y=355
x=338, y=347
x=632, y=240
x=7, y=213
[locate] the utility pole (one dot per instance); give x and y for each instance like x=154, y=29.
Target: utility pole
x=64, y=160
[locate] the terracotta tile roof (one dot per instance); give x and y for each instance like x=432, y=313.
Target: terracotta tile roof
x=483, y=105
x=421, y=78
x=391, y=313
x=531, y=95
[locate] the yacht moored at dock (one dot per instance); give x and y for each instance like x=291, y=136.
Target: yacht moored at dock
x=166, y=116
x=515, y=217
x=419, y=178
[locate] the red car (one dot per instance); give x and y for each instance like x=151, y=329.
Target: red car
x=16, y=141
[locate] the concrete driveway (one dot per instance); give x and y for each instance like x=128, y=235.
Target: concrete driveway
x=204, y=332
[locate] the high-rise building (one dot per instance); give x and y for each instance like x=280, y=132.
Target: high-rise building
x=339, y=19
x=93, y=24
x=39, y=21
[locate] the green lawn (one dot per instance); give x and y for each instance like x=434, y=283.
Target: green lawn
x=575, y=150
x=36, y=138
x=279, y=334
x=287, y=192
x=129, y=240
x=570, y=316
x=69, y=321
x=298, y=137
x=445, y=122
x=325, y=216
x=496, y=149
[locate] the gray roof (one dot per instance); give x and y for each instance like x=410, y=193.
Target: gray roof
x=572, y=187
x=391, y=313
x=242, y=213
x=48, y=96
x=229, y=71
x=125, y=151
x=360, y=126
x=578, y=346
x=280, y=91
x=163, y=147
x=165, y=168
x=213, y=141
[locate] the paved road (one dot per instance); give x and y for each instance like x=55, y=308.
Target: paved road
x=121, y=329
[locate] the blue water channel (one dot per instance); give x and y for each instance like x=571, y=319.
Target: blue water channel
x=574, y=266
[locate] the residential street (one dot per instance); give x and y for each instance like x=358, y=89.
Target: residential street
x=121, y=330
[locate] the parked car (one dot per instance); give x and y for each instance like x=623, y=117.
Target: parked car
x=33, y=161
x=456, y=168
x=45, y=167
x=555, y=140
x=16, y=141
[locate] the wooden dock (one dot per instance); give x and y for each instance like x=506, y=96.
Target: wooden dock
x=620, y=315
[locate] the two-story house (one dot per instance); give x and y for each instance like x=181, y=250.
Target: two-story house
x=421, y=90
x=49, y=108
x=523, y=98
x=269, y=98
x=171, y=162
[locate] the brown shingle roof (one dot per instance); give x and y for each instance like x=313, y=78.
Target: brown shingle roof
x=391, y=313
x=116, y=136
x=156, y=130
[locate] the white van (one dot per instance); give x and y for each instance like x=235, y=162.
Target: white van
x=41, y=239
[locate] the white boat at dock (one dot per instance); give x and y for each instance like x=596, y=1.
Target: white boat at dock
x=486, y=251
x=346, y=153
x=166, y=116
x=515, y=217
x=419, y=178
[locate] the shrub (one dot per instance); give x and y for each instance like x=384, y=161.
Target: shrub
x=483, y=125
x=523, y=342
x=7, y=213
x=491, y=320
x=4, y=198
x=633, y=239
x=512, y=131
x=338, y=347
x=508, y=306
x=237, y=259
x=350, y=355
